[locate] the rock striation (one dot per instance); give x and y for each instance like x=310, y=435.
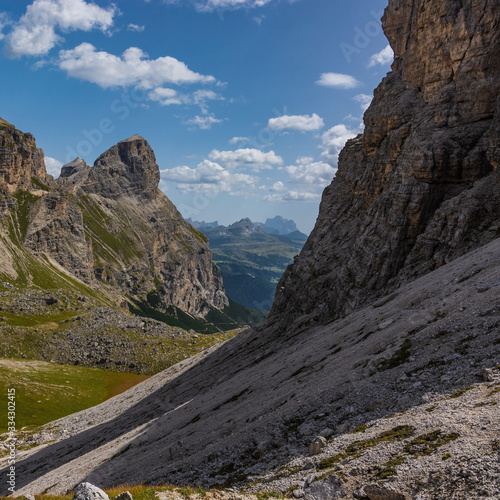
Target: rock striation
x=20, y=159
x=108, y=225
x=420, y=186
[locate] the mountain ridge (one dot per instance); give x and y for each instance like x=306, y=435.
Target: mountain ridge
x=108, y=225
x=251, y=260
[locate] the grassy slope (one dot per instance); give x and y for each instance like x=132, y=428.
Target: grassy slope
x=48, y=391
x=142, y=492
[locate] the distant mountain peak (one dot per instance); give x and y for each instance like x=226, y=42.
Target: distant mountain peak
x=280, y=225
x=135, y=137
x=5, y=122
x=73, y=167
x=244, y=227
x=128, y=168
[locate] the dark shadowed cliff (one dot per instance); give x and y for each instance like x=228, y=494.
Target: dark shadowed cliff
x=421, y=186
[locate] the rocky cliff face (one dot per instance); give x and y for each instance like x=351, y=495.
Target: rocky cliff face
x=421, y=186
x=110, y=226
x=20, y=159
x=127, y=169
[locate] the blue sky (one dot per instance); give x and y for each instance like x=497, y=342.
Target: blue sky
x=245, y=102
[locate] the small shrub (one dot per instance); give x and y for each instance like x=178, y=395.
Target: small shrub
x=389, y=468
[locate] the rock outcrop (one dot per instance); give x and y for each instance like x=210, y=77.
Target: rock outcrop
x=127, y=169
x=421, y=186
x=109, y=225
x=20, y=160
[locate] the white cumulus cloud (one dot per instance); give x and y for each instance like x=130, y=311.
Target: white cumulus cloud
x=308, y=177
x=209, y=178
x=211, y=5
x=166, y=97
x=382, y=58
x=204, y=121
x=293, y=195
x=53, y=166
x=236, y=140
x=308, y=171
x=35, y=33
x=4, y=21
x=137, y=28
x=253, y=159
x=338, y=80
x=333, y=140
x=133, y=68
x=304, y=123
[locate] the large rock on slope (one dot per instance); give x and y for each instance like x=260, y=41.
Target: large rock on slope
x=421, y=186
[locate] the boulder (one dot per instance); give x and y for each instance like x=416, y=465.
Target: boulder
x=329, y=488
x=126, y=495
x=317, y=445
x=87, y=491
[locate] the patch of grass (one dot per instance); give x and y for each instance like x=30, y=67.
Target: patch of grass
x=355, y=449
x=197, y=234
x=426, y=444
x=485, y=403
x=434, y=363
x=446, y=456
x=38, y=183
x=431, y=409
x=187, y=492
x=360, y=428
x=138, y=492
x=268, y=494
x=243, y=315
x=399, y=357
x=494, y=391
x=48, y=391
x=389, y=468
x=461, y=392
x=172, y=317
x=25, y=201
